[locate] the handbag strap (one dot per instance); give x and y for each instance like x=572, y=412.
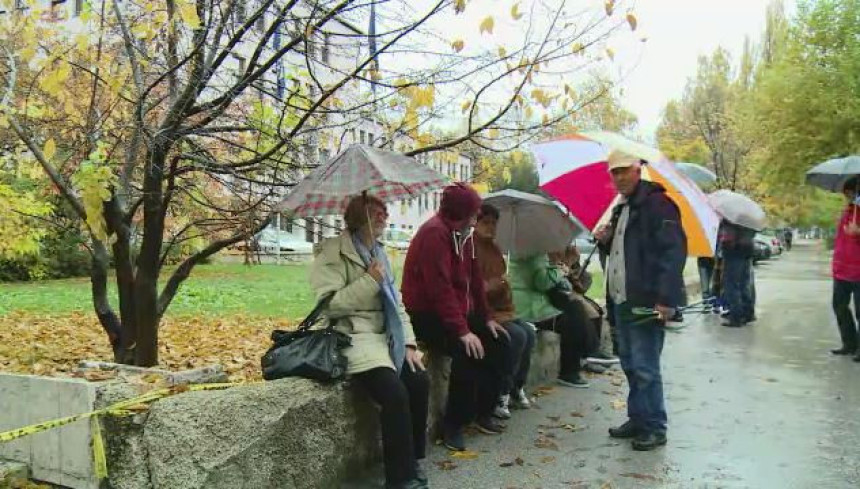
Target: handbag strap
x=315, y=314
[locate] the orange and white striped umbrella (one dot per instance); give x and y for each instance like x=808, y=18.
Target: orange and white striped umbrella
x=698, y=218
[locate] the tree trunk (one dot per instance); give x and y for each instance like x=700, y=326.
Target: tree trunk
x=149, y=260
x=98, y=281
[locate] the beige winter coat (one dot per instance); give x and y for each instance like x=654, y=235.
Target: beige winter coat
x=357, y=304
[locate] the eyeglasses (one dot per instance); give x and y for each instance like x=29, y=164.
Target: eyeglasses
x=377, y=211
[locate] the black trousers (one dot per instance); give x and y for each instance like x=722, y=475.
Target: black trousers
x=578, y=335
x=842, y=293
x=475, y=385
x=403, y=416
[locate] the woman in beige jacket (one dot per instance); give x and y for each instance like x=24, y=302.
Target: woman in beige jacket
x=383, y=357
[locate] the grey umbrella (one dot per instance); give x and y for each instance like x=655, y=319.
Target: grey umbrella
x=702, y=176
x=832, y=174
x=529, y=223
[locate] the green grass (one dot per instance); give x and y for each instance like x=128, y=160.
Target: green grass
x=260, y=290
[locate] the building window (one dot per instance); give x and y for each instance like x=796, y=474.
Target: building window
x=309, y=230
x=239, y=14
x=286, y=225
x=79, y=7
x=435, y=201
x=261, y=22
x=361, y=136
x=352, y=136
x=240, y=66
x=326, y=47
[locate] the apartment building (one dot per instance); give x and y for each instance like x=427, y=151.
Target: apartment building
x=335, y=49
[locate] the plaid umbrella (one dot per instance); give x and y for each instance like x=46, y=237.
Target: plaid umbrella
x=386, y=175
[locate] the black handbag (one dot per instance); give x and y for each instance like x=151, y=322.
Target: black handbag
x=310, y=353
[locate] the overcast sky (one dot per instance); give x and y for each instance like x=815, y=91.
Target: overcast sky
x=678, y=32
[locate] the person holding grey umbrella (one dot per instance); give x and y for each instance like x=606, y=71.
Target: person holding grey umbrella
x=846, y=272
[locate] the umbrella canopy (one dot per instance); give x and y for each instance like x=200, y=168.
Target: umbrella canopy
x=702, y=176
x=531, y=224
x=387, y=175
x=832, y=174
x=738, y=209
x=573, y=169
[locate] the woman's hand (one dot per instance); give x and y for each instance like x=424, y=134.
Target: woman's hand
x=376, y=271
x=413, y=359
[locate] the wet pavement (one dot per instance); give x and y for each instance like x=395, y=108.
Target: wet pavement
x=764, y=406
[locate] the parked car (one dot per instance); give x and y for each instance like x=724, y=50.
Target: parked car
x=771, y=242
x=270, y=241
x=761, y=252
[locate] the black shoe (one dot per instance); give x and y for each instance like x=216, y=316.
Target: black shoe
x=857, y=358
x=453, y=440
x=489, y=425
x=410, y=484
x=648, y=441
x=594, y=368
x=843, y=351
x=678, y=317
x=627, y=430
x=733, y=324
x=573, y=380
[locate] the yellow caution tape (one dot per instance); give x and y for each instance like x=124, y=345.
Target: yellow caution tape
x=119, y=409
x=99, y=457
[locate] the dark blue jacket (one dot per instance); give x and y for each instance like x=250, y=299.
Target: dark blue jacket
x=655, y=248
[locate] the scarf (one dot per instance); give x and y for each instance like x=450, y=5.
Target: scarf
x=390, y=306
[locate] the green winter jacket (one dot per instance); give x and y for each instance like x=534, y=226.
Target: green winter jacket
x=531, y=277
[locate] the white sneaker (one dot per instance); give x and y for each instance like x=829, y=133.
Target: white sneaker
x=520, y=400
x=502, y=411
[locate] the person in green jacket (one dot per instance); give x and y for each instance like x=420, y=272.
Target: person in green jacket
x=534, y=279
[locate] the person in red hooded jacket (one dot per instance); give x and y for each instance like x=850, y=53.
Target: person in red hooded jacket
x=443, y=292
x=846, y=272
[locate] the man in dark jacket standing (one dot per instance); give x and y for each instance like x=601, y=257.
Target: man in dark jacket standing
x=646, y=252
x=738, y=246
x=443, y=292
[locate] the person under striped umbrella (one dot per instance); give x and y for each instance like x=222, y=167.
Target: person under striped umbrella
x=573, y=170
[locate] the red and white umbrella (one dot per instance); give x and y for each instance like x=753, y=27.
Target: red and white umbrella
x=574, y=171
x=360, y=169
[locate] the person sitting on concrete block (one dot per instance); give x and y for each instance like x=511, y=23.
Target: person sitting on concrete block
x=443, y=291
x=384, y=358
x=501, y=302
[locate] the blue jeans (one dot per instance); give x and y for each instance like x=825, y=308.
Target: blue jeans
x=739, y=292
x=639, y=347
x=523, y=338
x=706, y=276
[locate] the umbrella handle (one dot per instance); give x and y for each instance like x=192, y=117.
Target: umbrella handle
x=587, y=262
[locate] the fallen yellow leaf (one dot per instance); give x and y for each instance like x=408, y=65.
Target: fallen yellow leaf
x=464, y=455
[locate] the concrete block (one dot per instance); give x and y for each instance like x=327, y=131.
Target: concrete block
x=11, y=472
x=14, y=395
x=63, y=455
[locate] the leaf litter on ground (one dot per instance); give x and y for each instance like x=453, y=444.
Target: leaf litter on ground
x=54, y=345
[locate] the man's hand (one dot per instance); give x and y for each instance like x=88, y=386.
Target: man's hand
x=376, y=270
x=496, y=329
x=413, y=359
x=664, y=313
x=601, y=234
x=472, y=344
